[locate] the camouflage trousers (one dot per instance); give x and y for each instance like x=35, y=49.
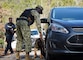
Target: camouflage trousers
x=23, y=35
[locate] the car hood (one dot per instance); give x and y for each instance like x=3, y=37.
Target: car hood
x=70, y=23
x=35, y=36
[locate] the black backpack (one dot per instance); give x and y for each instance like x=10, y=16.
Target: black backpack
x=27, y=13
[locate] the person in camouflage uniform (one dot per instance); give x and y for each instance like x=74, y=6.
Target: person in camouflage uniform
x=28, y=17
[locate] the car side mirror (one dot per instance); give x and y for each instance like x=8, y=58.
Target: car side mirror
x=44, y=20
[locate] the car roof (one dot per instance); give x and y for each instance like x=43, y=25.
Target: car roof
x=68, y=7
x=34, y=29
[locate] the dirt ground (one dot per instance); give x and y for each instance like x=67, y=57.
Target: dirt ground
x=1, y=51
x=22, y=55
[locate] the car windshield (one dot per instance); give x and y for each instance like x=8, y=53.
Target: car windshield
x=67, y=13
x=44, y=33
x=34, y=33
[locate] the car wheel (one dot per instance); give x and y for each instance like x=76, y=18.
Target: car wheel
x=48, y=56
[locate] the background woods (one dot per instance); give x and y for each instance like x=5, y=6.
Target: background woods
x=13, y=8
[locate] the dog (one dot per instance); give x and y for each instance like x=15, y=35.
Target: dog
x=39, y=45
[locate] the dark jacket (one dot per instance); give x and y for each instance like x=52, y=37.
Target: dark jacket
x=9, y=27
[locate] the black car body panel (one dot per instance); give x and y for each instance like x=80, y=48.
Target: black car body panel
x=65, y=32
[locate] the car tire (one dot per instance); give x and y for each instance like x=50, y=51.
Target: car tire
x=48, y=56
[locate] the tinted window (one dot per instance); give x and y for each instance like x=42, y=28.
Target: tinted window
x=44, y=33
x=34, y=33
x=67, y=13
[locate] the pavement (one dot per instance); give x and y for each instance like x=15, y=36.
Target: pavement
x=22, y=56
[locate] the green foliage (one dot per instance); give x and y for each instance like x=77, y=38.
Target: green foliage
x=1, y=34
x=5, y=5
x=18, y=6
x=1, y=41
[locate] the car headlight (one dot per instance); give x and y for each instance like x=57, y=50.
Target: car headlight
x=58, y=28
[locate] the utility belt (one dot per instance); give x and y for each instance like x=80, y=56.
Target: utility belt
x=26, y=19
x=22, y=18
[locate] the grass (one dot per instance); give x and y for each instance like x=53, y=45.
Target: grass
x=1, y=41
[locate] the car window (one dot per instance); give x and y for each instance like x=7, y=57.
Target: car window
x=67, y=14
x=44, y=33
x=34, y=32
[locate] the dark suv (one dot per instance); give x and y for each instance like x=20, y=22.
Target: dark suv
x=65, y=32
